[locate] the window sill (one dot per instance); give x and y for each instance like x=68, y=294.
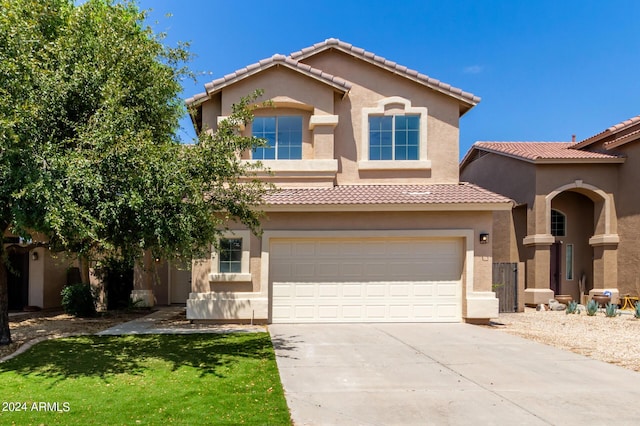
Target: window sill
x=307, y=165
x=395, y=165
x=235, y=278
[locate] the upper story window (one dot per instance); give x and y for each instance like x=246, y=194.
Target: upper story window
x=394, y=137
x=283, y=135
x=558, y=224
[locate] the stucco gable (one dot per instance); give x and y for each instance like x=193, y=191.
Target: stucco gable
x=277, y=60
x=467, y=100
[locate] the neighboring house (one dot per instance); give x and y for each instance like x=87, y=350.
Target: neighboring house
x=577, y=215
x=36, y=276
x=371, y=223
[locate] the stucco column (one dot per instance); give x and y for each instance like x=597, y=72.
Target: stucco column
x=538, y=266
x=605, y=265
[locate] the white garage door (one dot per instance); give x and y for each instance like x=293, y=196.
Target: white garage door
x=366, y=280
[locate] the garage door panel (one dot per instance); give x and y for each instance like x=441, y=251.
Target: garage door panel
x=372, y=280
x=375, y=290
x=352, y=290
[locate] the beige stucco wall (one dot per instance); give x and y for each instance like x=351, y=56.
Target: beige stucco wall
x=628, y=209
x=284, y=83
x=371, y=84
x=479, y=222
x=293, y=92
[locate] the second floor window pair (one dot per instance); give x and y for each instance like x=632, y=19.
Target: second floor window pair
x=391, y=137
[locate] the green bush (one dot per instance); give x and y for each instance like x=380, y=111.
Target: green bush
x=79, y=300
x=636, y=312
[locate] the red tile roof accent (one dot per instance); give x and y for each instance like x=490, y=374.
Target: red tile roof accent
x=610, y=130
x=388, y=65
x=541, y=150
x=462, y=193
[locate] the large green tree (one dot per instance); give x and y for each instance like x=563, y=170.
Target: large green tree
x=89, y=159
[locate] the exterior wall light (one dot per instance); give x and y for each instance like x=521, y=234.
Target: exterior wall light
x=484, y=238
x=34, y=255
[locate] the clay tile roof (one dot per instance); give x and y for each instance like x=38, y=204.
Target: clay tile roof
x=462, y=193
x=334, y=43
x=542, y=151
x=277, y=59
x=622, y=139
x=610, y=130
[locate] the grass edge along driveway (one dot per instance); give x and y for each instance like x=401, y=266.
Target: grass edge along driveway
x=204, y=379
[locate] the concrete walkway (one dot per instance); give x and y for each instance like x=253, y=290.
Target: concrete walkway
x=444, y=374
x=151, y=324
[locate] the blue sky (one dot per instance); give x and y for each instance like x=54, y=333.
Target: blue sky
x=545, y=69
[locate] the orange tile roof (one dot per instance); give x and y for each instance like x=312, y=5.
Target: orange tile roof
x=610, y=130
x=541, y=151
x=462, y=193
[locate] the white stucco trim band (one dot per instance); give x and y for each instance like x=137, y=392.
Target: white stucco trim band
x=329, y=166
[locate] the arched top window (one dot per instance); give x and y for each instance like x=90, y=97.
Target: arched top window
x=558, y=223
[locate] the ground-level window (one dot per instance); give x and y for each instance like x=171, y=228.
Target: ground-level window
x=230, y=255
x=558, y=223
x=569, y=261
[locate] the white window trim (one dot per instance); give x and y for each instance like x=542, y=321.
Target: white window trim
x=366, y=164
x=245, y=274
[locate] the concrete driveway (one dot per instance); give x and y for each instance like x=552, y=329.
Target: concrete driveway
x=444, y=374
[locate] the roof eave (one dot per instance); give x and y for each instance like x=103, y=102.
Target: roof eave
x=617, y=160
x=212, y=88
x=281, y=208
x=469, y=100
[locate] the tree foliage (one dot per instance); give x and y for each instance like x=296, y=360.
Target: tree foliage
x=89, y=109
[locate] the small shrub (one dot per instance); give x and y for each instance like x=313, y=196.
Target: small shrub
x=592, y=307
x=636, y=313
x=572, y=308
x=611, y=310
x=78, y=300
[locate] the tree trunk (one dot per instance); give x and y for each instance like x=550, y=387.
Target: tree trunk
x=83, y=262
x=5, y=333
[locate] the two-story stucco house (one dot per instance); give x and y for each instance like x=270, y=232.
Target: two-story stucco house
x=577, y=214
x=370, y=222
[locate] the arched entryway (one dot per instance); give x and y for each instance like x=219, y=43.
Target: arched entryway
x=584, y=252
x=571, y=256
x=586, y=248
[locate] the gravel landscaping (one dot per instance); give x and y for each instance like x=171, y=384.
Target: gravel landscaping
x=614, y=340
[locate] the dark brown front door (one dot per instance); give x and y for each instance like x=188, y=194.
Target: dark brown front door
x=18, y=280
x=556, y=249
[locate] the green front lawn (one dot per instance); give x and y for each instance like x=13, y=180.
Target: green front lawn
x=196, y=379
